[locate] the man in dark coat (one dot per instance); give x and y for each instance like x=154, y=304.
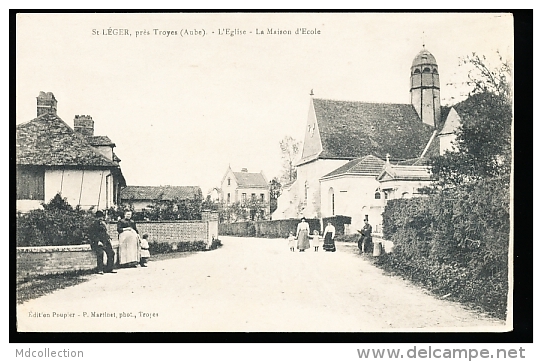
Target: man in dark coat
x=100, y=242
x=366, y=238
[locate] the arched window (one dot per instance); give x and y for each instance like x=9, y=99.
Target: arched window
x=416, y=71
x=306, y=190
x=435, y=70
x=427, y=70
x=229, y=181
x=331, y=194
x=377, y=195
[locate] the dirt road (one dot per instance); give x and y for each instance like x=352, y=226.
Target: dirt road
x=250, y=285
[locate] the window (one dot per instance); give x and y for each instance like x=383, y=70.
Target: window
x=426, y=70
x=229, y=181
x=377, y=195
x=306, y=190
x=229, y=197
x=262, y=197
x=243, y=197
x=253, y=197
x=416, y=71
x=30, y=184
x=332, y=204
x=385, y=195
x=405, y=195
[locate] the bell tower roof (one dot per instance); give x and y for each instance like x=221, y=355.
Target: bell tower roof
x=424, y=57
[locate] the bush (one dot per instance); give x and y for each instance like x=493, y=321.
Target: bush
x=161, y=247
x=455, y=242
x=57, y=224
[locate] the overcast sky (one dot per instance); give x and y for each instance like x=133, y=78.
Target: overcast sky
x=181, y=108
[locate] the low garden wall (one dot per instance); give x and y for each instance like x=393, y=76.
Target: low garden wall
x=41, y=260
x=265, y=228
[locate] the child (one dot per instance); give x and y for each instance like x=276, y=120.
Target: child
x=145, y=254
x=291, y=241
x=316, y=240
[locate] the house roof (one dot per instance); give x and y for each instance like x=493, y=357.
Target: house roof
x=100, y=141
x=250, y=179
x=48, y=141
x=356, y=129
x=397, y=172
x=363, y=166
x=159, y=192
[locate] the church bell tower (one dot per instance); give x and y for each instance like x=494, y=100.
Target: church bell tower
x=425, y=87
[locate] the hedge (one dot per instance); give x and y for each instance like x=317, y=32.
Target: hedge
x=455, y=242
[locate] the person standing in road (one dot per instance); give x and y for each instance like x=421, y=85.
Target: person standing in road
x=329, y=237
x=291, y=241
x=366, y=238
x=128, y=241
x=302, y=235
x=100, y=243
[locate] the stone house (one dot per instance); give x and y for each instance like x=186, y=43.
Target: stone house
x=245, y=186
x=53, y=158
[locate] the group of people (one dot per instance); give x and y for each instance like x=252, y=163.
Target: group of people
x=133, y=250
x=304, y=240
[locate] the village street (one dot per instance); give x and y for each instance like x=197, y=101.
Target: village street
x=249, y=284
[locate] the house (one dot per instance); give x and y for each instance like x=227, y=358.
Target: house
x=346, y=141
x=243, y=187
x=142, y=197
x=53, y=158
x=355, y=180
x=403, y=181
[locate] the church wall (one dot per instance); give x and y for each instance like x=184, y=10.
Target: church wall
x=354, y=197
x=309, y=174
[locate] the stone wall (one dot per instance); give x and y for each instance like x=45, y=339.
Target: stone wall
x=41, y=260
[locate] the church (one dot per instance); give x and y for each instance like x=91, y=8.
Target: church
x=357, y=155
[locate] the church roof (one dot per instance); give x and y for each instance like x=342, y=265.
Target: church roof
x=48, y=141
x=363, y=166
x=250, y=179
x=424, y=57
x=151, y=193
x=356, y=129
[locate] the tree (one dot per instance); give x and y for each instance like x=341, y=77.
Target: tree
x=483, y=145
x=289, y=148
x=275, y=189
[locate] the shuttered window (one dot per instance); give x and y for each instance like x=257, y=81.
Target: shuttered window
x=30, y=183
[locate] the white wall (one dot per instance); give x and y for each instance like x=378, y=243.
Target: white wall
x=311, y=173
x=354, y=197
x=81, y=187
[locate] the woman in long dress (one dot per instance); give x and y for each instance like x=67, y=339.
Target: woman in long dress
x=129, y=254
x=302, y=235
x=329, y=236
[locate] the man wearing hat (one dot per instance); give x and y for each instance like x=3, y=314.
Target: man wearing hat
x=100, y=242
x=366, y=237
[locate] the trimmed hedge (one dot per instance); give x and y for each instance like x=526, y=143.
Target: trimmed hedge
x=455, y=242
x=338, y=221
x=160, y=247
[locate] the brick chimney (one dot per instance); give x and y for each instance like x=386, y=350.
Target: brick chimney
x=46, y=103
x=83, y=125
x=244, y=170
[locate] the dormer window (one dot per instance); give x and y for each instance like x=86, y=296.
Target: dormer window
x=229, y=181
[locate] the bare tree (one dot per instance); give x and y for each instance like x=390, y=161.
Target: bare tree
x=289, y=148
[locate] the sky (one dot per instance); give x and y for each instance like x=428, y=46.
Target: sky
x=181, y=109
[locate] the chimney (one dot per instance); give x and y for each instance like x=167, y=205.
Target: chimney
x=83, y=125
x=244, y=170
x=46, y=103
